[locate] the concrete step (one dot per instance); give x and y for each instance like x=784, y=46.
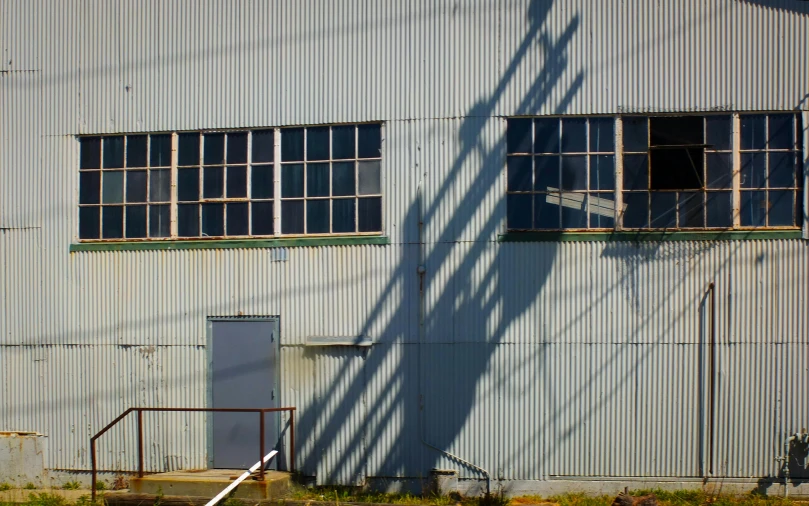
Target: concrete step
x=209, y=482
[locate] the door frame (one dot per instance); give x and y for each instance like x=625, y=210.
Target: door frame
x=276, y=376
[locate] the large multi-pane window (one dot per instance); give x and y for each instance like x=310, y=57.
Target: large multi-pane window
x=310, y=181
x=717, y=171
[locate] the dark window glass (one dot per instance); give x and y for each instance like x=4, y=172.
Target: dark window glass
x=135, y=221
x=187, y=185
x=676, y=130
x=160, y=151
x=237, y=182
x=113, y=152
x=753, y=170
x=89, y=221
x=213, y=220
x=547, y=173
x=317, y=143
x=317, y=180
x=518, y=135
x=317, y=216
x=136, y=186
x=635, y=133
x=717, y=132
x=781, y=131
x=574, y=135
x=369, y=141
x=602, y=135
x=188, y=220
x=691, y=209
x=602, y=172
x=237, y=148
x=262, y=216
x=188, y=149
x=112, y=187
x=663, y=209
x=342, y=178
x=292, y=217
x=292, y=144
x=717, y=209
x=601, y=208
x=781, y=206
x=343, y=215
x=159, y=221
x=676, y=169
x=237, y=221
x=263, y=146
x=718, y=170
x=342, y=142
x=754, y=135
x=213, y=149
x=213, y=182
x=574, y=173
x=90, y=156
x=753, y=208
x=573, y=210
x=546, y=211
x=636, y=210
x=89, y=187
x=370, y=214
x=112, y=222
x=519, y=173
x=262, y=184
x=781, y=170
x=518, y=211
x=546, y=135
x=136, y=151
x=368, y=178
x=635, y=172
x=160, y=185
x=292, y=180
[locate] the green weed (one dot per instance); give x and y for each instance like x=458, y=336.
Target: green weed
x=71, y=485
x=45, y=499
x=5, y=486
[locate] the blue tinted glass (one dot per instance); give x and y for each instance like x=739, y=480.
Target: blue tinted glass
x=663, y=209
x=718, y=169
x=753, y=209
x=690, y=210
x=636, y=134
x=573, y=210
x=342, y=182
x=112, y=222
x=547, y=173
x=636, y=176
x=780, y=133
x=781, y=170
x=753, y=173
x=160, y=151
x=602, y=172
x=136, y=186
x=89, y=222
x=343, y=215
x=237, y=220
x=574, y=173
x=292, y=180
x=188, y=149
x=317, y=143
x=546, y=135
x=237, y=147
x=601, y=208
x=213, y=149
x=519, y=173
x=369, y=141
x=263, y=147
x=574, y=135
x=292, y=217
x=317, y=180
x=159, y=221
x=717, y=209
x=317, y=216
x=717, y=132
x=89, y=187
x=636, y=210
x=113, y=152
x=262, y=216
x=546, y=211
x=369, y=213
x=136, y=150
x=187, y=185
x=213, y=183
x=213, y=220
x=135, y=222
x=90, y=156
x=754, y=135
x=262, y=182
x=602, y=135
x=518, y=135
x=781, y=205
x=518, y=211
x=237, y=182
x=343, y=142
x=292, y=144
x=188, y=220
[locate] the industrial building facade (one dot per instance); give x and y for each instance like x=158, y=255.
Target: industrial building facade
x=542, y=243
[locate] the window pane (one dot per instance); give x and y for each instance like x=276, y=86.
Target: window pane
x=635, y=172
x=213, y=220
x=636, y=210
x=292, y=180
x=213, y=147
x=89, y=187
x=263, y=146
x=601, y=208
x=781, y=131
x=90, y=153
x=573, y=210
x=317, y=216
x=187, y=185
x=292, y=217
x=602, y=172
x=342, y=142
x=262, y=182
x=342, y=178
x=574, y=173
x=753, y=131
x=519, y=173
x=188, y=220
x=237, y=182
x=518, y=135
x=717, y=132
x=237, y=148
x=237, y=222
x=753, y=209
x=717, y=209
x=547, y=173
x=635, y=133
x=518, y=211
x=676, y=130
x=136, y=151
x=368, y=175
x=136, y=186
x=574, y=135
x=663, y=209
x=188, y=149
x=370, y=214
x=369, y=141
x=160, y=185
x=781, y=205
x=602, y=134
x=112, y=222
x=89, y=221
x=317, y=180
x=262, y=216
x=135, y=221
x=160, y=151
x=292, y=144
x=676, y=169
x=159, y=221
x=113, y=187
x=546, y=211
x=113, y=152
x=343, y=215
x=718, y=170
x=690, y=209
x=546, y=135
x=317, y=143
x=782, y=170
x=213, y=183
x=753, y=170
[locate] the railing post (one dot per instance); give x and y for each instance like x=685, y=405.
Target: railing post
x=292, y=439
x=140, y=443
x=261, y=443
x=93, y=460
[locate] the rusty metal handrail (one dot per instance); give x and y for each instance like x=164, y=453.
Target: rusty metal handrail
x=262, y=412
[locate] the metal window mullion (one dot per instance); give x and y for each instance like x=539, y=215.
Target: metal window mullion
x=201, y=194
x=305, y=189
x=123, y=190
x=736, y=171
x=225, y=187
x=619, y=173
x=276, y=169
x=173, y=233
x=249, y=172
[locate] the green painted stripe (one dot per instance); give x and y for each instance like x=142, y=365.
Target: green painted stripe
x=707, y=235
x=230, y=244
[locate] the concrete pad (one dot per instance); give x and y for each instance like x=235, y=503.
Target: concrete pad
x=208, y=483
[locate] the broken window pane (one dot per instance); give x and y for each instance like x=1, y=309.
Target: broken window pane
x=262, y=182
x=635, y=172
x=292, y=180
x=718, y=170
x=113, y=152
x=780, y=131
x=519, y=173
x=602, y=135
x=160, y=151
x=188, y=149
x=781, y=170
x=676, y=130
x=90, y=155
x=717, y=210
x=518, y=135
x=237, y=182
x=636, y=210
x=368, y=177
x=602, y=172
x=89, y=221
x=369, y=141
x=262, y=216
x=135, y=222
x=263, y=146
x=690, y=209
x=292, y=144
x=112, y=222
x=518, y=211
x=676, y=169
x=237, y=220
x=89, y=187
x=317, y=143
x=188, y=220
x=781, y=206
x=753, y=134
x=369, y=214
x=159, y=221
x=292, y=217
x=317, y=180
x=237, y=148
x=342, y=178
x=342, y=142
x=663, y=209
x=601, y=208
x=317, y=216
x=717, y=132
x=112, y=187
x=136, y=186
x=343, y=215
x=573, y=210
x=187, y=185
x=213, y=183
x=547, y=173
x=546, y=135
x=635, y=134
x=136, y=150
x=160, y=186
x=753, y=209
x=753, y=170
x=213, y=149
x=574, y=135
x=546, y=211
x=574, y=173
x=213, y=220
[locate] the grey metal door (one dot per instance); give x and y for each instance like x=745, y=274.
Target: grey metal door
x=244, y=372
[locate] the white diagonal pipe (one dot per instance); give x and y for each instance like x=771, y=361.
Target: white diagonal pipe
x=240, y=479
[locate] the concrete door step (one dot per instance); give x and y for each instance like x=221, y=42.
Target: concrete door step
x=210, y=482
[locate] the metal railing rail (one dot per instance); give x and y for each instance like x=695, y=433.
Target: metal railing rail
x=262, y=412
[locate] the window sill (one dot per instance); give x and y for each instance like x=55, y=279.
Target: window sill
x=641, y=236
x=287, y=242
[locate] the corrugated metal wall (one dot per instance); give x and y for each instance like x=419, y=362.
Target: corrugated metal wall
x=531, y=360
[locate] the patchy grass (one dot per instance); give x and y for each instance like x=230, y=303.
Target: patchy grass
x=71, y=485
x=30, y=486
x=5, y=486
